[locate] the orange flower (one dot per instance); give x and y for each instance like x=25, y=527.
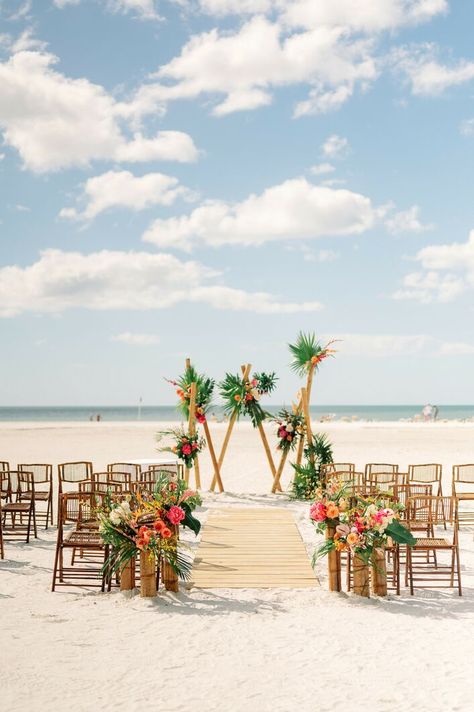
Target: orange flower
x=332, y=510
x=352, y=538
x=166, y=533
x=339, y=545
x=237, y=398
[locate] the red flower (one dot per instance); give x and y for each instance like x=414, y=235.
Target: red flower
x=195, y=446
x=186, y=449
x=166, y=533
x=175, y=515
x=201, y=418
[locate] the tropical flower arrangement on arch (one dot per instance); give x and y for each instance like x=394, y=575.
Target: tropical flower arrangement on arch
x=187, y=445
x=148, y=522
x=204, y=392
x=355, y=524
x=242, y=397
x=290, y=427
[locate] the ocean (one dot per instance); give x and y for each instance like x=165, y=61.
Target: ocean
x=169, y=413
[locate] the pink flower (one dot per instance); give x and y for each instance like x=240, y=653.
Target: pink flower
x=282, y=433
x=187, y=494
x=175, y=514
x=186, y=449
x=201, y=418
x=318, y=512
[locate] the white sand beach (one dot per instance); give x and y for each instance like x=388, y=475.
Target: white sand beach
x=273, y=650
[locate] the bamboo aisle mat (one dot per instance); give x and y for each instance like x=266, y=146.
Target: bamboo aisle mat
x=252, y=548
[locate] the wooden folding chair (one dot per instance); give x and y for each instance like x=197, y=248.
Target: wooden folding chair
x=464, y=475
x=87, y=540
x=129, y=467
x=332, y=468
x=384, y=480
x=72, y=473
x=373, y=468
x=43, y=479
x=14, y=484
x=427, y=571
x=2, y=549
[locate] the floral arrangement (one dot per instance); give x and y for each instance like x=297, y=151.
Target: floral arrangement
x=290, y=428
x=148, y=522
x=307, y=477
x=241, y=397
x=187, y=445
x=204, y=392
x=308, y=353
x=357, y=524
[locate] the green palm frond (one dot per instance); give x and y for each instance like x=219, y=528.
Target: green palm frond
x=308, y=475
x=303, y=350
x=204, y=390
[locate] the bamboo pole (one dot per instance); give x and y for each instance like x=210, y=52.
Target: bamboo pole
x=127, y=575
x=360, y=572
x=192, y=431
x=168, y=574
x=268, y=453
x=147, y=575
x=307, y=417
x=334, y=563
x=379, y=571
x=309, y=385
x=245, y=374
x=212, y=453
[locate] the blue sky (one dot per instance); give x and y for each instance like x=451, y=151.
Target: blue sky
x=208, y=178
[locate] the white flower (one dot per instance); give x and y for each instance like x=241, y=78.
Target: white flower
x=289, y=428
x=255, y=394
x=115, y=516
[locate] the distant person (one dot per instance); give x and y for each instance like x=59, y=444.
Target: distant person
x=435, y=412
x=427, y=412
x=98, y=417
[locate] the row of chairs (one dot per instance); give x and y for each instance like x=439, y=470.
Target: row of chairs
x=21, y=490
x=389, y=473
x=39, y=487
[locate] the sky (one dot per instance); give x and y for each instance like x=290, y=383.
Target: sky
x=207, y=178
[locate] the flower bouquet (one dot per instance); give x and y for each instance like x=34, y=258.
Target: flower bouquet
x=307, y=477
x=290, y=429
x=242, y=396
x=187, y=445
x=358, y=525
x=146, y=524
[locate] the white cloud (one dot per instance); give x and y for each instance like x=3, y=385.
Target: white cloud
x=56, y=122
x=467, y=127
x=109, y=280
x=361, y=16
x=247, y=65
x=407, y=221
x=372, y=345
x=426, y=287
x=320, y=256
x=335, y=146
x=136, y=339
x=235, y=7
x=428, y=76
x=293, y=210
x=123, y=189
x=456, y=348
x=322, y=168
x=143, y=9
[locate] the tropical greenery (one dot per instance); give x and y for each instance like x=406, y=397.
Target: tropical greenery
x=308, y=353
x=187, y=445
x=290, y=428
x=242, y=397
x=204, y=392
x=307, y=477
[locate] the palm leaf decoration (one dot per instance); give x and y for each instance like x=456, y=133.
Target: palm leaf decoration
x=235, y=393
x=308, y=475
x=308, y=353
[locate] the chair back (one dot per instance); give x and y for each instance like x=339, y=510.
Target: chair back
x=337, y=467
x=93, y=486
x=18, y=482
x=384, y=479
x=425, y=473
x=121, y=478
x=77, y=507
x=4, y=485
x=433, y=510
x=373, y=468
x=74, y=472
x=130, y=468
x=41, y=473
x=4, y=466
x=154, y=473
x=463, y=474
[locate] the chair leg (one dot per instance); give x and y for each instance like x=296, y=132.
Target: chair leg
x=55, y=569
x=410, y=570
x=458, y=567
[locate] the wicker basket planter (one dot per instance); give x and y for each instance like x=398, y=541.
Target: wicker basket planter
x=127, y=576
x=334, y=564
x=379, y=572
x=361, y=577
x=147, y=575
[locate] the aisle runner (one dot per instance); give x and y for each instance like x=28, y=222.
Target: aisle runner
x=252, y=548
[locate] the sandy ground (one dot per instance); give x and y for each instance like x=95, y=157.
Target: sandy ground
x=278, y=650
